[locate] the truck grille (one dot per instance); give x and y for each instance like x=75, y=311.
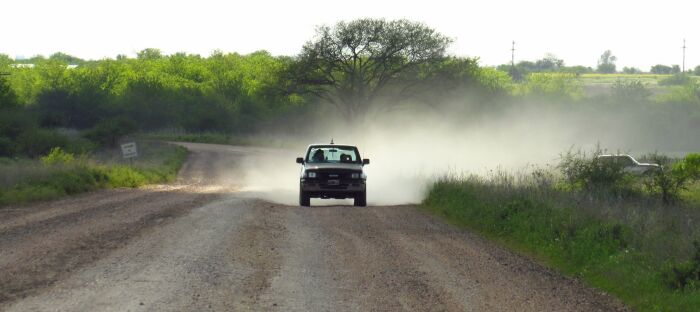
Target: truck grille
x=334, y=174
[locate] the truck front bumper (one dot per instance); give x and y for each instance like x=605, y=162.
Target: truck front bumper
x=332, y=188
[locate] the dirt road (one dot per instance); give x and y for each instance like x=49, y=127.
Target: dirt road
x=204, y=244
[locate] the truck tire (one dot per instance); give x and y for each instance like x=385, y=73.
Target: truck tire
x=361, y=199
x=304, y=199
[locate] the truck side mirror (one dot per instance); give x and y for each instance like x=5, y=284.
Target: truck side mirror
x=365, y=161
x=300, y=160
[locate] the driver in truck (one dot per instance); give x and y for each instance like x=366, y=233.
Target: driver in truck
x=318, y=156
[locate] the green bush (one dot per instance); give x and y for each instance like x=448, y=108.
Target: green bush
x=125, y=176
x=690, y=166
x=594, y=174
x=676, y=80
x=57, y=156
x=108, y=132
x=14, y=122
x=672, y=178
x=684, y=275
x=558, y=86
x=8, y=98
x=629, y=91
x=685, y=94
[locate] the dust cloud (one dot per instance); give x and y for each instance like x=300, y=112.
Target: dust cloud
x=409, y=150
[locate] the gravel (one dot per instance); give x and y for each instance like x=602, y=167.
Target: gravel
x=199, y=244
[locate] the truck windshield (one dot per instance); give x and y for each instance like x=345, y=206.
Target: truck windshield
x=333, y=154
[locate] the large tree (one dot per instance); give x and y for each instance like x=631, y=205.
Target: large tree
x=606, y=63
x=7, y=95
x=353, y=64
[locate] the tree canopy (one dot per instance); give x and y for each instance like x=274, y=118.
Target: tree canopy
x=606, y=63
x=353, y=64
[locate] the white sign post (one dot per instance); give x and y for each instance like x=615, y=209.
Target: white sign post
x=129, y=151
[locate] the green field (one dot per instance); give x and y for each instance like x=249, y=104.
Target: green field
x=600, y=84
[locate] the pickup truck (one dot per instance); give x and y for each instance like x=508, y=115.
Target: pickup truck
x=629, y=164
x=332, y=171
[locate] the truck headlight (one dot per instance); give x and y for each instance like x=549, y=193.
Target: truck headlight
x=355, y=175
x=311, y=174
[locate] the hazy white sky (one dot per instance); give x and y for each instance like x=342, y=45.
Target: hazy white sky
x=640, y=33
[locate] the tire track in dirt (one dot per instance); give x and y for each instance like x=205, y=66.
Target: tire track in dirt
x=40, y=261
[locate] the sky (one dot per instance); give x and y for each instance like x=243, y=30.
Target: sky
x=639, y=33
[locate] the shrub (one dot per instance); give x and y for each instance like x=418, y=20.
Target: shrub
x=57, y=156
x=629, y=91
x=675, y=80
x=124, y=176
x=685, y=275
x=667, y=182
x=685, y=94
x=690, y=166
x=8, y=98
x=552, y=85
x=594, y=173
x=108, y=132
x=14, y=122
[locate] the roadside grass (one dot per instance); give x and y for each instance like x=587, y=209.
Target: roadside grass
x=625, y=246
x=33, y=181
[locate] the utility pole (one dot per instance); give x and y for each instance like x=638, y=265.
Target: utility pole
x=512, y=55
x=683, y=56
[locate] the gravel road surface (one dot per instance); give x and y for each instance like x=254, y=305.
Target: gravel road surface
x=203, y=243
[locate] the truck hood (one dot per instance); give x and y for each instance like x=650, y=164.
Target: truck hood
x=357, y=167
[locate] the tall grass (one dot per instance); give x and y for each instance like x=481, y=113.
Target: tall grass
x=626, y=244
x=32, y=180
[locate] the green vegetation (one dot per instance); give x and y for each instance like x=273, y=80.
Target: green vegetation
x=676, y=80
x=554, y=86
x=350, y=72
x=664, y=69
x=216, y=138
x=357, y=65
x=630, y=243
x=606, y=63
x=59, y=173
x=629, y=236
x=612, y=78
